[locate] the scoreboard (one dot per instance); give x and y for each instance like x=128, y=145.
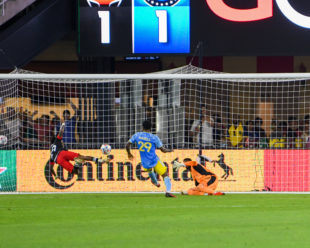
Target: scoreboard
x=226, y=27
x=134, y=27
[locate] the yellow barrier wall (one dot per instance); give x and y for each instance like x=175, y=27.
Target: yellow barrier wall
x=42, y=109
x=31, y=177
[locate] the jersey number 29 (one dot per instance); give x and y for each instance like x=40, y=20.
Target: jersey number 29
x=146, y=145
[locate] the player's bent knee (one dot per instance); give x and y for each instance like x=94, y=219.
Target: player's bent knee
x=165, y=174
x=212, y=180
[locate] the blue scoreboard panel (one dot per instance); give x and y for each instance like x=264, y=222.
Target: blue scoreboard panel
x=156, y=27
x=161, y=26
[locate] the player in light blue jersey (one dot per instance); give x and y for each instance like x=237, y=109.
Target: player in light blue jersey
x=147, y=144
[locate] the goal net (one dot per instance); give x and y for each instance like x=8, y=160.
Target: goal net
x=254, y=126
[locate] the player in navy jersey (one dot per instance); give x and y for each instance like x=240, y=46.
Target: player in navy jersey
x=147, y=144
x=61, y=156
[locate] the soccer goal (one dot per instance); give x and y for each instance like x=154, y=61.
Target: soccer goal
x=254, y=126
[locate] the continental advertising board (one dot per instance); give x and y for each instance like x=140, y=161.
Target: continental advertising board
x=122, y=175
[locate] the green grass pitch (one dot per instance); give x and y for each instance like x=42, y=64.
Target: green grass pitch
x=151, y=220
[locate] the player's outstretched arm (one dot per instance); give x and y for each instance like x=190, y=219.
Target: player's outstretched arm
x=128, y=146
x=61, y=130
x=81, y=159
x=52, y=169
x=165, y=150
x=202, y=159
x=75, y=109
x=52, y=112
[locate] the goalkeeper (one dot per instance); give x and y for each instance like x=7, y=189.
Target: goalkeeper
x=205, y=180
x=61, y=156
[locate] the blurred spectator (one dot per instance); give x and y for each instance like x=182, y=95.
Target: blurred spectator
x=3, y=128
x=225, y=141
x=207, y=130
x=301, y=124
x=306, y=132
x=44, y=131
x=55, y=122
x=29, y=135
x=294, y=139
x=13, y=124
x=273, y=125
x=260, y=133
x=278, y=138
x=70, y=128
x=218, y=131
x=251, y=136
x=258, y=128
x=235, y=132
x=150, y=114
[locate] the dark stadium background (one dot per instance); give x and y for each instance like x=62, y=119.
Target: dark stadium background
x=44, y=37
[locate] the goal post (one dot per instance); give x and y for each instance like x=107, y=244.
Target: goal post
x=255, y=126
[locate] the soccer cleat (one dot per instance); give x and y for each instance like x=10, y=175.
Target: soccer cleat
x=76, y=168
x=157, y=185
x=170, y=195
x=78, y=165
x=219, y=193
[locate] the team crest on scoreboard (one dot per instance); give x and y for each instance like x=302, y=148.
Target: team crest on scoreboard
x=98, y=3
x=161, y=3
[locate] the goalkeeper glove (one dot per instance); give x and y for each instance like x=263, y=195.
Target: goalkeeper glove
x=176, y=164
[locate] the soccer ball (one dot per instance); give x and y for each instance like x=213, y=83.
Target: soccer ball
x=106, y=149
x=3, y=140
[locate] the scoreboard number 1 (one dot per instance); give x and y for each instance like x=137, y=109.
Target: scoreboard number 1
x=105, y=26
x=154, y=30
x=162, y=26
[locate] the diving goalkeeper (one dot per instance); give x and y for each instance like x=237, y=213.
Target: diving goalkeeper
x=205, y=180
x=61, y=156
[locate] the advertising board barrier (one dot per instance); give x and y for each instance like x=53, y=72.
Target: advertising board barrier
x=7, y=170
x=287, y=170
x=122, y=175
